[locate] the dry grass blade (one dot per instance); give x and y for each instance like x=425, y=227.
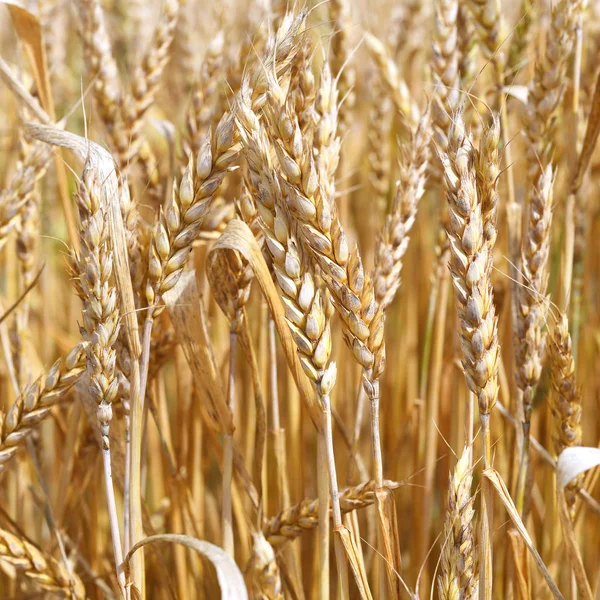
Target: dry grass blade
x=496, y=480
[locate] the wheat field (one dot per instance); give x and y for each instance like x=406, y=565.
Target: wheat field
x=300, y=301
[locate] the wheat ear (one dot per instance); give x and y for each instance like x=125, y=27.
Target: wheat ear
x=100, y=328
x=393, y=241
x=390, y=75
x=37, y=401
x=547, y=87
x=341, y=67
x=533, y=303
x=44, y=571
x=17, y=195
x=457, y=578
x=205, y=93
x=566, y=400
x=445, y=68
x=304, y=516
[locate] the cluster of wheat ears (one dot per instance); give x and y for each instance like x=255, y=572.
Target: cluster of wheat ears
x=300, y=301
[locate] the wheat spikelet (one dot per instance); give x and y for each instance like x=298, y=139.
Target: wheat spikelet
x=533, y=303
x=37, y=400
x=393, y=240
x=470, y=267
x=304, y=516
x=457, y=579
x=266, y=582
x=44, y=571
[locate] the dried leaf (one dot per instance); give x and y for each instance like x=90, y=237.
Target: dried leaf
x=589, y=142
x=520, y=92
x=494, y=477
x=519, y=555
x=575, y=461
x=237, y=236
x=388, y=525
x=29, y=30
x=360, y=576
x=183, y=304
x=229, y=575
x=573, y=553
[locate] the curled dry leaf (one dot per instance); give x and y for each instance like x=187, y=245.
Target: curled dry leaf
x=575, y=461
x=229, y=575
